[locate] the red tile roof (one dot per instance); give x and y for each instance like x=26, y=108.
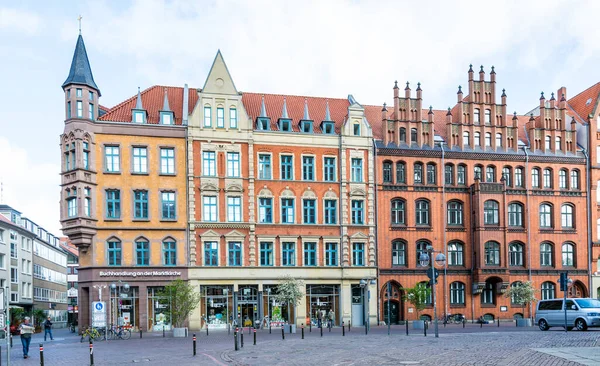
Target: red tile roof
x=338, y=109
x=580, y=105
x=152, y=101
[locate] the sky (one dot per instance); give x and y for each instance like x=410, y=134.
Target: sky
x=320, y=48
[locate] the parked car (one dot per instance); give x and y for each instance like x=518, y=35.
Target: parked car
x=581, y=313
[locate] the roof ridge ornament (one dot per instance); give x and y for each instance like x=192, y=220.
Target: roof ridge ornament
x=552, y=96
x=284, y=112
x=263, y=109
x=459, y=90
x=470, y=68
x=503, y=92
x=396, y=84
x=407, y=86
x=166, y=107
x=327, y=114
x=542, y=97
x=79, y=20
x=138, y=102
x=306, y=115
x=384, y=109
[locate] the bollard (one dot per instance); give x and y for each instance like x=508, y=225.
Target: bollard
x=163, y=331
x=406, y=323
x=302, y=330
x=242, y=338
x=321, y=330
x=444, y=322
x=228, y=329
x=343, y=329
x=282, y=333
x=290, y=329
x=498, y=322
x=481, y=324
x=310, y=327
x=91, y=352
x=269, y=328
x=194, y=344
x=349, y=325
x=425, y=329
x=41, y=354
x=207, y=329
x=235, y=339
x=11, y=337
x=329, y=326
x=140, y=333
x=255, y=336
x=464, y=321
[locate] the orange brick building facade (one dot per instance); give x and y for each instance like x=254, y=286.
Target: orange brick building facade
x=501, y=211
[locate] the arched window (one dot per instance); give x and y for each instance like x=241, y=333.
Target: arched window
x=568, y=255
x=488, y=116
x=421, y=248
x=515, y=299
x=387, y=172
x=455, y=254
x=400, y=173
x=418, y=173
x=398, y=212
x=519, y=177
x=402, y=134
x=413, y=135
x=557, y=144
x=545, y=215
x=548, y=143
x=506, y=174
x=515, y=214
x=488, y=139
x=449, y=174
x=574, y=179
x=515, y=254
x=546, y=257
x=422, y=212
x=492, y=253
x=547, y=178
x=548, y=291
x=476, y=138
x=566, y=216
x=562, y=179
x=457, y=293
x=490, y=212
x=466, y=139
x=535, y=178
x=398, y=253
x=430, y=173
x=477, y=171
x=490, y=174
x=455, y=213
x=114, y=252
x=498, y=140
x=476, y=116
x=461, y=174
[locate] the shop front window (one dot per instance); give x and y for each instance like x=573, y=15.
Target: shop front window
x=322, y=302
x=279, y=312
x=125, y=306
x=159, y=310
x=216, y=304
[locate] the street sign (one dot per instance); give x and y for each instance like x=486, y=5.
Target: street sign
x=99, y=314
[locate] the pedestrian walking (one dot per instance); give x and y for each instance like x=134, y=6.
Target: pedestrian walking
x=26, y=331
x=48, y=329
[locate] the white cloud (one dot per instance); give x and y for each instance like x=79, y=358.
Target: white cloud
x=19, y=20
x=29, y=186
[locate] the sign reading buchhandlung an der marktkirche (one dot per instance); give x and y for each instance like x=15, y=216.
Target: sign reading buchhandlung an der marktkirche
x=139, y=274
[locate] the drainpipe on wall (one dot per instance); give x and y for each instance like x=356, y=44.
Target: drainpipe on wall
x=445, y=222
x=528, y=222
x=376, y=231
x=588, y=202
x=339, y=166
x=472, y=256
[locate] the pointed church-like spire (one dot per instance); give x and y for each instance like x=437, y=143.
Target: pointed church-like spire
x=138, y=102
x=81, y=72
x=166, y=107
x=263, y=109
x=327, y=114
x=306, y=116
x=284, y=112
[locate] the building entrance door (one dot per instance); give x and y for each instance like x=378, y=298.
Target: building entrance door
x=248, y=305
x=393, y=312
x=357, y=306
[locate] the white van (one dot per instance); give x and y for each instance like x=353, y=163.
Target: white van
x=581, y=313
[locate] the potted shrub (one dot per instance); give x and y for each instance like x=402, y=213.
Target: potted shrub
x=289, y=291
x=16, y=314
x=38, y=316
x=417, y=297
x=522, y=293
x=183, y=299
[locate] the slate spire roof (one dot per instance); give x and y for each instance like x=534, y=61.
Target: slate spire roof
x=81, y=72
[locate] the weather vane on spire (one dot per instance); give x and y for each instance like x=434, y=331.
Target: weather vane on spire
x=79, y=19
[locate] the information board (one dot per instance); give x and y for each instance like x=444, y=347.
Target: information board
x=99, y=314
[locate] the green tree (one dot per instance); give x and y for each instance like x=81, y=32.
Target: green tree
x=417, y=296
x=522, y=293
x=182, y=298
x=289, y=291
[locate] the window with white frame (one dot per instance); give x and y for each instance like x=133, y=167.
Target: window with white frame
x=233, y=164
x=234, y=209
x=209, y=163
x=210, y=208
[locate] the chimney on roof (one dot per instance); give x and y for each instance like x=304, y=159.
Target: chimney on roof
x=284, y=112
x=263, y=109
x=396, y=101
x=481, y=74
x=184, y=112
x=407, y=91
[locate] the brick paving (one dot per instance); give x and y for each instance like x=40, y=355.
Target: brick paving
x=456, y=346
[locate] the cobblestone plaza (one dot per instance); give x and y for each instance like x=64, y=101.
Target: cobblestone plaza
x=490, y=345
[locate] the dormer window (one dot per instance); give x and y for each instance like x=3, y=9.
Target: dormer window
x=356, y=129
x=306, y=126
x=328, y=128
x=263, y=124
x=285, y=125
x=139, y=117
x=79, y=93
x=166, y=118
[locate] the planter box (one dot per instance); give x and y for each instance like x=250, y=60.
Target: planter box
x=179, y=332
x=524, y=322
x=418, y=324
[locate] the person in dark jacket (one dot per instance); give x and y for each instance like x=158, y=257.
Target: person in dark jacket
x=48, y=329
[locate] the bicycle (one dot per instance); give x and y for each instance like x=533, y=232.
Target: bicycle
x=72, y=328
x=118, y=333
x=91, y=334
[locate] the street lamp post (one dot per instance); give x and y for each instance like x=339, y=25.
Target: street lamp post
x=364, y=284
x=424, y=260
